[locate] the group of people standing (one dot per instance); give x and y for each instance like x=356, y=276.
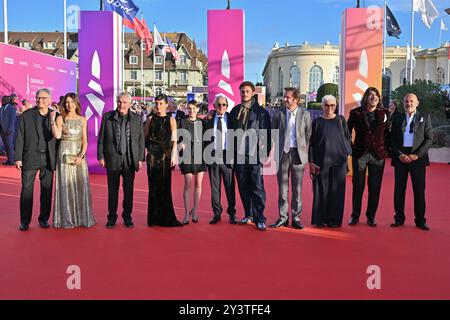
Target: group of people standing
x=232, y=147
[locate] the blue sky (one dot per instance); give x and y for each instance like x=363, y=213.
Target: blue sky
x=267, y=21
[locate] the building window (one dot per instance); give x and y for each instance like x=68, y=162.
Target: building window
x=49, y=45
x=133, y=59
x=26, y=45
x=126, y=46
x=59, y=55
x=440, y=76
x=183, y=76
x=336, y=75
x=280, y=80
x=294, y=77
x=133, y=75
x=158, y=75
x=73, y=45
x=315, y=78
x=183, y=59
x=158, y=59
x=158, y=91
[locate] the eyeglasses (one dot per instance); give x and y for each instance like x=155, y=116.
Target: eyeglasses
x=221, y=104
x=42, y=98
x=330, y=105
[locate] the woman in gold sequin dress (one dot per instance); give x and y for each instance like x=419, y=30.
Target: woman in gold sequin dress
x=73, y=202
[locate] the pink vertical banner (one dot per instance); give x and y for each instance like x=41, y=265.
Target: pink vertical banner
x=226, y=51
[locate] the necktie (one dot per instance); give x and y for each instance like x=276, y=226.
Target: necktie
x=219, y=143
x=287, y=138
x=123, y=137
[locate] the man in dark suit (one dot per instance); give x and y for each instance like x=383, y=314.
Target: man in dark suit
x=218, y=168
x=294, y=130
x=371, y=124
x=8, y=127
x=121, y=151
x=252, y=142
x=36, y=151
x=411, y=138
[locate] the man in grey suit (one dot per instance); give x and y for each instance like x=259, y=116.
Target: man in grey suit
x=411, y=137
x=294, y=125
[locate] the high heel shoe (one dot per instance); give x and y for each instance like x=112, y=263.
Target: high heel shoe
x=194, y=220
x=186, y=221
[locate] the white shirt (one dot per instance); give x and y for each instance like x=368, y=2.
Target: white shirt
x=224, y=131
x=291, y=137
x=408, y=138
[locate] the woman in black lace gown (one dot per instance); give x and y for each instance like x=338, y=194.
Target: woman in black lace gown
x=160, y=141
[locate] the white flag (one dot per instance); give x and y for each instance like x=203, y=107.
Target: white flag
x=443, y=26
x=159, y=43
x=428, y=11
x=408, y=55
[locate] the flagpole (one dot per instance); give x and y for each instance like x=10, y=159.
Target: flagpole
x=164, y=67
x=384, y=39
x=406, y=64
x=412, y=43
x=123, y=57
x=142, y=63
x=5, y=21
x=154, y=58
x=65, y=29
x=440, y=34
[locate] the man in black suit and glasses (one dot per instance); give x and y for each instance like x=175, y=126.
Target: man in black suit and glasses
x=36, y=151
x=411, y=138
x=120, y=150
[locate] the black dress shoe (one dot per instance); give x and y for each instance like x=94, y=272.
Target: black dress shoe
x=396, y=224
x=44, y=224
x=215, y=220
x=233, y=219
x=371, y=222
x=297, y=224
x=332, y=225
x=129, y=223
x=353, y=221
x=110, y=224
x=23, y=227
x=423, y=226
x=280, y=223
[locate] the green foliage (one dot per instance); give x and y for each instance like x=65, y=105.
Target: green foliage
x=326, y=89
x=441, y=137
x=315, y=105
x=431, y=99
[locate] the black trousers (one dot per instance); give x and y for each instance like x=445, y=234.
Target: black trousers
x=329, y=196
x=251, y=189
x=217, y=173
x=113, y=176
x=26, y=194
x=417, y=173
x=375, y=177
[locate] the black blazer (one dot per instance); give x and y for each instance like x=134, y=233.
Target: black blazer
x=258, y=119
x=208, y=124
x=107, y=144
x=423, y=137
x=27, y=141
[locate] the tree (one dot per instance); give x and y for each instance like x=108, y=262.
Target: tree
x=326, y=89
x=430, y=96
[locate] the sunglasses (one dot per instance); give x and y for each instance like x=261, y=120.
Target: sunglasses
x=330, y=105
x=222, y=104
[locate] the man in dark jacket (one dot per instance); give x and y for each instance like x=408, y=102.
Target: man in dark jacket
x=8, y=127
x=251, y=150
x=370, y=122
x=411, y=138
x=36, y=151
x=121, y=151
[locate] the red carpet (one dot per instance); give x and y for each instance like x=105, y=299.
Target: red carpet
x=200, y=261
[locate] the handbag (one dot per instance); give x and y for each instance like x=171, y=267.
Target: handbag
x=69, y=159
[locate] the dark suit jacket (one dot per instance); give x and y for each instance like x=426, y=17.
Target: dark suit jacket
x=364, y=137
x=423, y=137
x=258, y=119
x=209, y=125
x=107, y=145
x=27, y=142
x=8, y=118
